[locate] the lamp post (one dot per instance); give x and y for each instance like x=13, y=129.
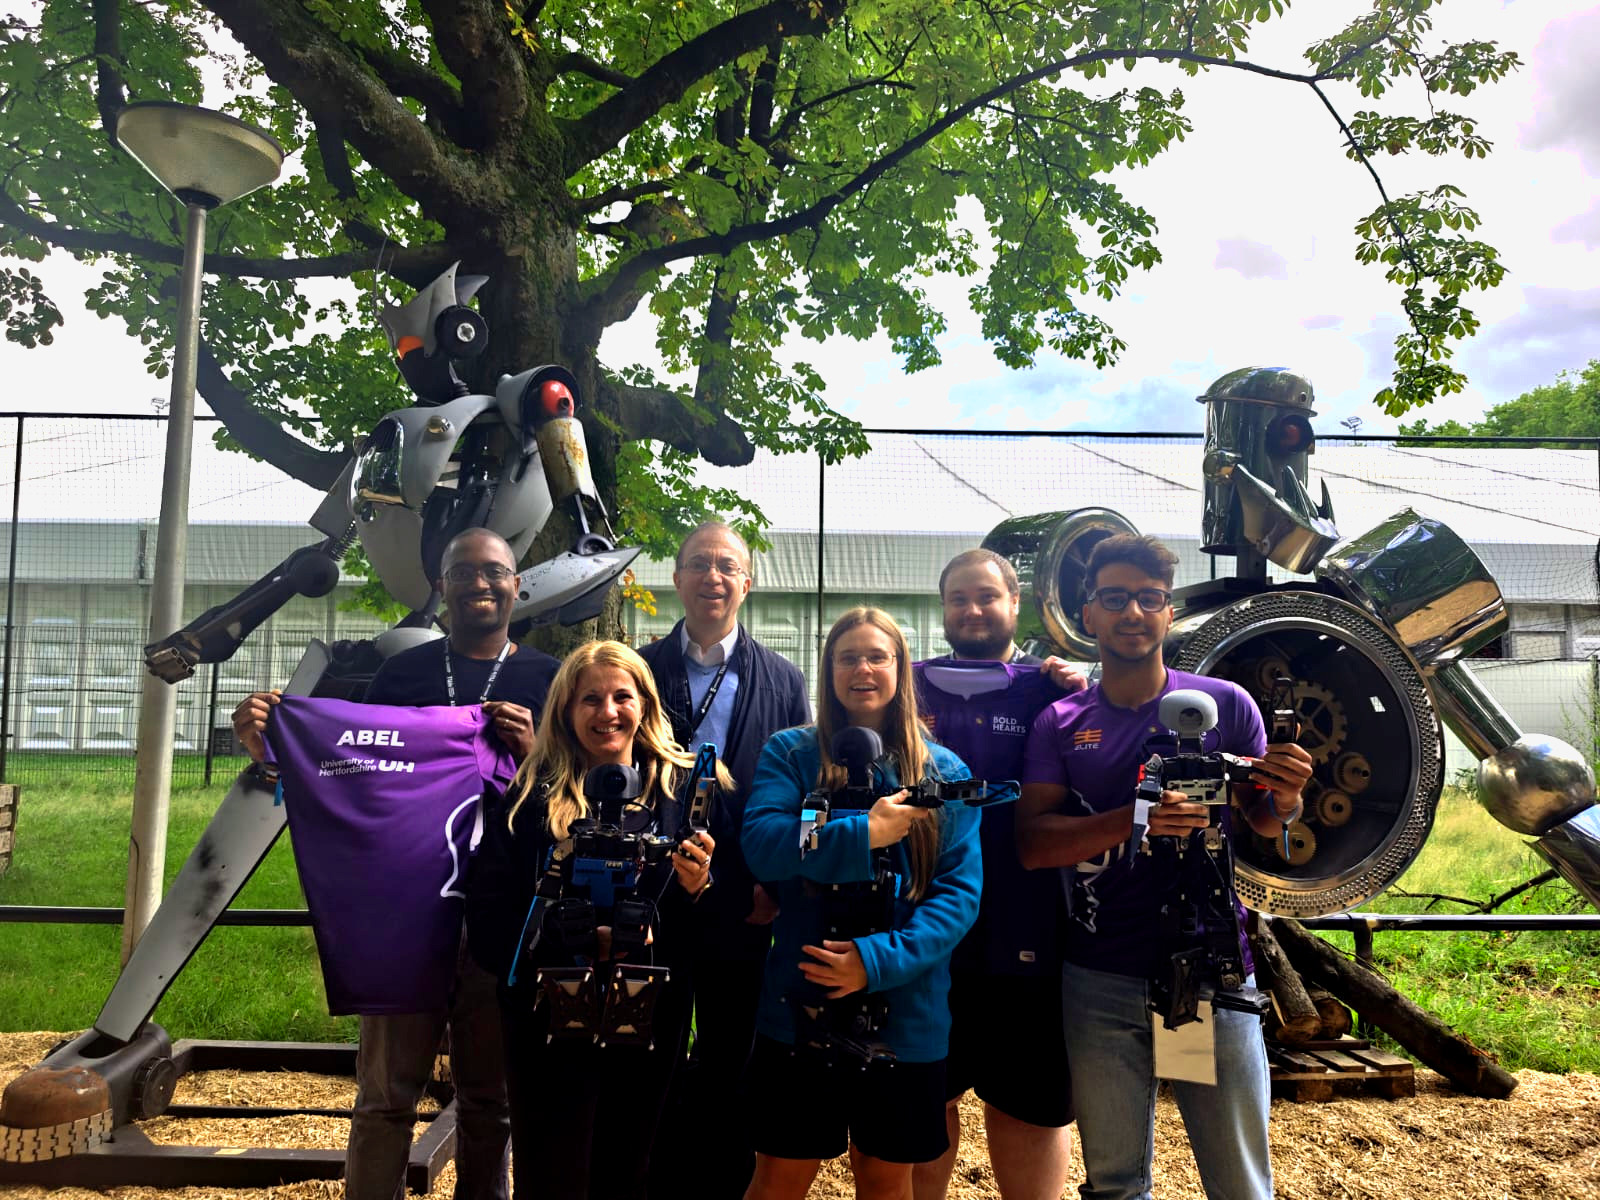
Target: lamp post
x=205, y=159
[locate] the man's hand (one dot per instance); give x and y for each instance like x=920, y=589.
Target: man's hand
x=1285, y=770
x=1066, y=676
x=513, y=725
x=1176, y=816
x=250, y=718
x=763, y=908
x=891, y=818
x=838, y=966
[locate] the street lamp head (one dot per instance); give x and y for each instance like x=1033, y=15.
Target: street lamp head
x=200, y=156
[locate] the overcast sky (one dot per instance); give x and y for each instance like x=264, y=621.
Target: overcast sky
x=1255, y=212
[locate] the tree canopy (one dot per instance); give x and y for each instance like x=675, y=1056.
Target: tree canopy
x=1569, y=407
x=749, y=170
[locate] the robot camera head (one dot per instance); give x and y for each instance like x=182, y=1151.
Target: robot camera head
x=1188, y=713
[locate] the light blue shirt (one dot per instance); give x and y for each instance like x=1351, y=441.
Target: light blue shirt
x=701, y=668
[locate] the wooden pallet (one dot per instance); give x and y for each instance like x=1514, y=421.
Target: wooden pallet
x=1321, y=1070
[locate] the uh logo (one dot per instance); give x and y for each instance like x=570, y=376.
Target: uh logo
x=378, y=737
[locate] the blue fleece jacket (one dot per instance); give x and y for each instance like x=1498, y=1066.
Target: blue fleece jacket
x=909, y=964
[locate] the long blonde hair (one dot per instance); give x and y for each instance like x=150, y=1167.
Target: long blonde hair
x=558, y=764
x=903, y=734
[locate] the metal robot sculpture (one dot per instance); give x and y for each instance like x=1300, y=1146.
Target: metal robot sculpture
x=454, y=461
x=1369, y=652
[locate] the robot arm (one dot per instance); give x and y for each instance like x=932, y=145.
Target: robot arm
x=215, y=634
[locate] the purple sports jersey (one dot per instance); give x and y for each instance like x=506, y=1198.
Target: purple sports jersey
x=382, y=804
x=983, y=711
x=1095, y=749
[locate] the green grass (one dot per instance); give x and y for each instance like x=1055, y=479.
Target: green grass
x=72, y=849
x=1528, y=997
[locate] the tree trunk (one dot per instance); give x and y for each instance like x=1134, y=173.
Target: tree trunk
x=1275, y=974
x=1429, y=1038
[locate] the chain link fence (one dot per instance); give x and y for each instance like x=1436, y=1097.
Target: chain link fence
x=81, y=496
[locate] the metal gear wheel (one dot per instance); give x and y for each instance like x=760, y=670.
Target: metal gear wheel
x=1322, y=721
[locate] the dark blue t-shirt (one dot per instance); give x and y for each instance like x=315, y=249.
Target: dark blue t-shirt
x=983, y=711
x=1095, y=749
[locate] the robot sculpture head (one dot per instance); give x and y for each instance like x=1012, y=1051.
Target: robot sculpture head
x=1258, y=439
x=433, y=327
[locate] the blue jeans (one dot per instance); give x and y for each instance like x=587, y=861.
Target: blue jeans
x=1114, y=1093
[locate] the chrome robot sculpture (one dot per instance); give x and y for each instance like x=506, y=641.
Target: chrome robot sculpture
x=453, y=461
x=1368, y=651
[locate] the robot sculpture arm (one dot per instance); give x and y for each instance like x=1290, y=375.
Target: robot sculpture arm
x=453, y=461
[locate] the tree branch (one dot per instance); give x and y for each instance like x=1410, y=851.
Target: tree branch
x=670, y=76
x=109, y=94
x=581, y=64
x=616, y=195
x=473, y=37
x=624, y=278
x=664, y=416
x=324, y=74
x=403, y=76
x=414, y=265
x=259, y=433
x=336, y=166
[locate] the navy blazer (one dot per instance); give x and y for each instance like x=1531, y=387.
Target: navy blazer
x=771, y=696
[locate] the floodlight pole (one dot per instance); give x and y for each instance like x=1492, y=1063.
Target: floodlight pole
x=158, y=704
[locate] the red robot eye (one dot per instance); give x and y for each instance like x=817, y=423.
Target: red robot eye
x=556, y=399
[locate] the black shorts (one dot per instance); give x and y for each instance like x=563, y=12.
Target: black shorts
x=1006, y=1042
x=801, y=1107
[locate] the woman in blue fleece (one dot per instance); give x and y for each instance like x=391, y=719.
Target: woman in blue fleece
x=826, y=1073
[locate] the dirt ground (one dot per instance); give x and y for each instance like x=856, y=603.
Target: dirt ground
x=1543, y=1142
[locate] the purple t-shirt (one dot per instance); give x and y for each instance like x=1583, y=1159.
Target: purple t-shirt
x=983, y=711
x=382, y=804
x=1095, y=749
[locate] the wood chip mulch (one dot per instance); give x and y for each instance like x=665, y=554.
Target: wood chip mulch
x=1439, y=1145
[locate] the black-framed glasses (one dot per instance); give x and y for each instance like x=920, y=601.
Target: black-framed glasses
x=491, y=573
x=729, y=568
x=1114, y=599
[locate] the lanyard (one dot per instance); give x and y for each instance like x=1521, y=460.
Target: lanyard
x=711, y=694
x=494, y=673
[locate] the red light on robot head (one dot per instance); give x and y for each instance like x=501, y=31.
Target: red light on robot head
x=555, y=398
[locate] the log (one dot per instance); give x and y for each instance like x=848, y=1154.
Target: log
x=1429, y=1038
x=1299, y=1019
x=1336, y=1019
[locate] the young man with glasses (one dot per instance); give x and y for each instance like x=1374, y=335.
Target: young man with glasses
x=719, y=685
x=477, y=663
x=1005, y=976
x=1078, y=812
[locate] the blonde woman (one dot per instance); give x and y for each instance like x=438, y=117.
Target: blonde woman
x=583, y=1115
x=825, y=1078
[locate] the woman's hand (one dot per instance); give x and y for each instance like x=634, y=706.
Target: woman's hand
x=891, y=818
x=838, y=966
x=692, y=862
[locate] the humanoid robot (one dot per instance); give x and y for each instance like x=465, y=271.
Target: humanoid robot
x=454, y=461
x=1368, y=656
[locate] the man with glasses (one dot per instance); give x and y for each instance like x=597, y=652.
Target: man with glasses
x=1005, y=976
x=477, y=663
x=719, y=685
x=1078, y=812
